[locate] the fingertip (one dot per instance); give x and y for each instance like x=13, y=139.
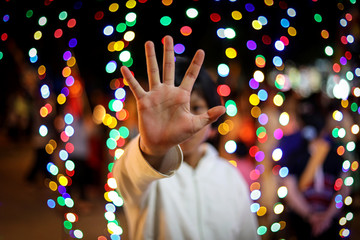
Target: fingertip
x=127, y=74
x=168, y=38
x=201, y=51
x=199, y=57
x=216, y=112
x=123, y=70
x=149, y=44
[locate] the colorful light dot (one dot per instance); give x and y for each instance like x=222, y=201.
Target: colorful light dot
x=42, y=21
x=249, y=7
x=186, y=30
x=256, y=24
x=284, y=23
x=215, y=17
x=231, y=53
x=108, y=30
x=179, y=48
x=192, y=13
x=165, y=20
x=236, y=15
x=251, y=45
x=223, y=70
x=63, y=15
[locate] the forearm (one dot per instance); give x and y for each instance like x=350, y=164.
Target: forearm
x=344, y=192
x=296, y=199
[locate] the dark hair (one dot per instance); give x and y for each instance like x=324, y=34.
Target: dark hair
x=204, y=84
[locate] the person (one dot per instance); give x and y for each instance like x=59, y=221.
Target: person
x=174, y=184
x=310, y=154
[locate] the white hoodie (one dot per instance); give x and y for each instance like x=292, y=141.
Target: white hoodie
x=179, y=202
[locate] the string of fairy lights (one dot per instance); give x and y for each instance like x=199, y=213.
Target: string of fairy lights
x=266, y=54
x=265, y=156
x=62, y=170
x=344, y=71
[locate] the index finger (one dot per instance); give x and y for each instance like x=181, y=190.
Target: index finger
x=134, y=85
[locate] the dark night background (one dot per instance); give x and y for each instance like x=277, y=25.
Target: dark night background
x=92, y=55
x=91, y=50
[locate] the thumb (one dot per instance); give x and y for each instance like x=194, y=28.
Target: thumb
x=215, y=112
x=211, y=115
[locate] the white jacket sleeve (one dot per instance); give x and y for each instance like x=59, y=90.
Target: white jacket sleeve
x=134, y=174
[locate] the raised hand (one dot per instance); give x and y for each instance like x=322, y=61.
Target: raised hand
x=164, y=113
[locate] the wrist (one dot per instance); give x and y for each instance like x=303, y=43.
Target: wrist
x=151, y=151
x=153, y=156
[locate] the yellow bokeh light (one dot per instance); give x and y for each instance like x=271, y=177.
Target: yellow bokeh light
x=37, y=35
x=167, y=2
x=44, y=111
x=278, y=208
x=71, y=62
x=106, y=196
x=233, y=162
x=129, y=36
x=236, y=15
x=255, y=186
x=107, y=120
x=49, y=148
x=52, y=186
x=325, y=34
x=111, y=47
x=262, y=211
x=230, y=123
x=113, y=7
x=231, y=53
x=66, y=72
x=53, y=143
x=255, y=112
x=99, y=114
x=344, y=103
x=269, y=2
x=63, y=181
x=41, y=70
x=282, y=225
x=292, y=31
x=254, y=99
x=354, y=166
x=61, y=99
x=113, y=122
x=256, y=25
x=130, y=4
x=119, y=45
x=223, y=129
x=278, y=100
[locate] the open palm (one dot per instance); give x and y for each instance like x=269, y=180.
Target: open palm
x=165, y=119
